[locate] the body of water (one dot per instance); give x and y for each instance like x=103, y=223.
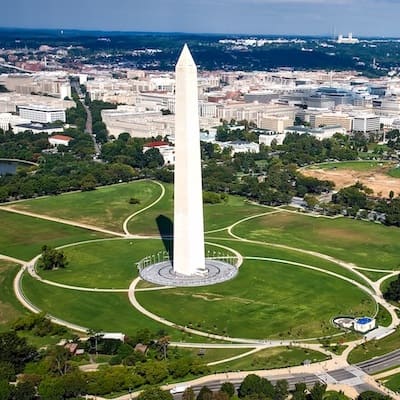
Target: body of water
x=10, y=167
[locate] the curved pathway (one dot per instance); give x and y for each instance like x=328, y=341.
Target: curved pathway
x=255, y=345
x=125, y=224
x=62, y=221
x=351, y=267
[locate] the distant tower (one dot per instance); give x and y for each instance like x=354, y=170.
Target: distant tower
x=189, y=258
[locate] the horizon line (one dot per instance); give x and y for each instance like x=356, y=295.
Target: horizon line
x=64, y=30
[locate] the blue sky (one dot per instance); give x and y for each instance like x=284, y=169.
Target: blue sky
x=310, y=17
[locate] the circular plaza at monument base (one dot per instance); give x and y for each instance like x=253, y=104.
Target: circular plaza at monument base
x=162, y=273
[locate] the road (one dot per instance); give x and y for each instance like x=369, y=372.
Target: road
x=380, y=363
x=89, y=120
x=215, y=385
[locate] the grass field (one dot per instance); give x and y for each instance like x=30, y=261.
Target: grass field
x=111, y=312
x=106, y=207
x=393, y=382
x=362, y=243
x=103, y=264
x=212, y=355
x=265, y=250
x=375, y=348
x=383, y=317
x=277, y=300
x=373, y=275
x=394, y=172
x=278, y=357
x=353, y=165
x=106, y=263
x=22, y=237
x=216, y=216
x=10, y=308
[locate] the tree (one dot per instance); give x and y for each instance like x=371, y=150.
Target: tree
x=371, y=395
x=318, y=391
x=74, y=384
x=52, y=258
x=5, y=390
x=51, y=389
x=392, y=293
x=220, y=395
x=188, y=394
x=7, y=371
x=311, y=201
x=59, y=360
x=299, y=392
x=281, y=389
x=162, y=344
x=154, y=393
x=88, y=182
x=153, y=158
x=205, y=394
x=24, y=391
x=228, y=388
x=15, y=350
x=253, y=384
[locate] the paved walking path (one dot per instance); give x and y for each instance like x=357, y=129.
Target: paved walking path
x=336, y=362
x=62, y=221
x=125, y=224
x=11, y=259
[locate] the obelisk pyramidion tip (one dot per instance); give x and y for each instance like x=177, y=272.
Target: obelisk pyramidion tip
x=185, y=58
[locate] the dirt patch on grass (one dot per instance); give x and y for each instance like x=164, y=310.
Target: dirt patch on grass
x=377, y=180
x=342, y=234
x=207, y=297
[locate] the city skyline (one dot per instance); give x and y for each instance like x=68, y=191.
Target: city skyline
x=283, y=17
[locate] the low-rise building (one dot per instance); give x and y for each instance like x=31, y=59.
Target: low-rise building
x=320, y=133
x=41, y=113
x=240, y=147
x=366, y=123
x=275, y=123
x=36, y=128
x=167, y=151
x=267, y=138
x=56, y=140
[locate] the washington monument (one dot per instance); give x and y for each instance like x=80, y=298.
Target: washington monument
x=189, y=267
x=189, y=256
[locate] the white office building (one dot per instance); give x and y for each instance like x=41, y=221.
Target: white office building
x=366, y=123
x=42, y=114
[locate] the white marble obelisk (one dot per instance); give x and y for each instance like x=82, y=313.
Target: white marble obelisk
x=189, y=256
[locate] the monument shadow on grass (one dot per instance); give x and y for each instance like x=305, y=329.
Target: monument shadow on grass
x=166, y=230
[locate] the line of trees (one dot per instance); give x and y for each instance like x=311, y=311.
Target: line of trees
x=253, y=387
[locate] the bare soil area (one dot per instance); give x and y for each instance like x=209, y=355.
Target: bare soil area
x=379, y=182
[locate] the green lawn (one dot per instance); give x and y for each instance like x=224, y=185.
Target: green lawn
x=375, y=348
x=277, y=357
x=394, y=172
x=393, y=382
x=106, y=207
x=106, y=263
x=10, y=307
x=111, y=312
x=385, y=284
x=103, y=264
x=373, y=275
x=265, y=250
x=354, y=165
x=212, y=355
x=383, y=317
x=362, y=243
x=216, y=216
x=156, y=218
x=22, y=237
x=277, y=300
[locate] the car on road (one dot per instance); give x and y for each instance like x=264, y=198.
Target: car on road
x=178, y=389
